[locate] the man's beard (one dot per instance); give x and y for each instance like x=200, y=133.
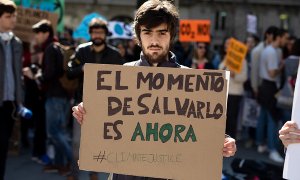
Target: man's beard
x=98, y=41
x=155, y=58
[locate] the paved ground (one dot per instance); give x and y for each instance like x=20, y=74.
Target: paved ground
x=21, y=167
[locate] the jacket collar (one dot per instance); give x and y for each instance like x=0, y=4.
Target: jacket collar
x=171, y=62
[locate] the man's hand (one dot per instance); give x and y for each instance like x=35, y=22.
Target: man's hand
x=28, y=73
x=289, y=133
x=79, y=112
x=229, y=148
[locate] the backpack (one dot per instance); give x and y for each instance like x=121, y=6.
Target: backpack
x=69, y=85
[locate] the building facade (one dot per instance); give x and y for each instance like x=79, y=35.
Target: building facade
x=228, y=17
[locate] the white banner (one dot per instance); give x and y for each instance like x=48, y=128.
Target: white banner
x=292, y=158
x=251, y=24
x=120, y=30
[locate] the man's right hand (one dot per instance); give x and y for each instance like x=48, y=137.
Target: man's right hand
x=289, y=133
x=79, y=112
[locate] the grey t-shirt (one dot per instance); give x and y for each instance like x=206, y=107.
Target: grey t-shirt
x=269, y=60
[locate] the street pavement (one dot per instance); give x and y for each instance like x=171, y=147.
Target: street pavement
x=21, y=167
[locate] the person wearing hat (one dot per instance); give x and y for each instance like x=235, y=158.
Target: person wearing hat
x=57, y=103
x=10, y=76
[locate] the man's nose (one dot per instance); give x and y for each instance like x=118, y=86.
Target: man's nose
x=154, y=39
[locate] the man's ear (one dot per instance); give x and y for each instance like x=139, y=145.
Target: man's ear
x=138, y=41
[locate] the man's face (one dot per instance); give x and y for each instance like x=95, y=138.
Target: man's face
x=269, y=38
x=41, y=37
x=284, y=39
x=98, y=36
x=250, y=43
x=8, y=21
x=155, y=43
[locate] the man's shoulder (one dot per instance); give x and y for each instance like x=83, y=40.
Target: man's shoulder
x=269, y=49
x=184, y=67
x=84, y=45
x=258, y=48
x=17, y=40
x=138, y=62
x=111, y=48
x=133, y=63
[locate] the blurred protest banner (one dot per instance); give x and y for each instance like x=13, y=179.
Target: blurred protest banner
x=292, y=157
x=82, y=30
x=252, y=24
x=194, y=31
x=119, y=30
x=28, y=17
x=235, y=55
x=53, y=6
x=154, y=122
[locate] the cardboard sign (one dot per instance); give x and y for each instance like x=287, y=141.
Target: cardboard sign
x=53, y=6
x=194, y=31
x=153, y=122
x=235, y=55
x=28, y=17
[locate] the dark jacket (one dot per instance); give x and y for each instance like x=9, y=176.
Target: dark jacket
x=17, y=49
x=52, y=70
x=172, y=62
x=86, y=54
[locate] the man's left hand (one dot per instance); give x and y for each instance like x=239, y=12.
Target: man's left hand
x=229, y=148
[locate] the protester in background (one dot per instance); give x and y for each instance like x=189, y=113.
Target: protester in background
x=25, y=124
x=34, y=99
x=67, y=37
x=122, y=50
x=200, y=60
x=286, y=94
x=184, y=52
x=235, y=94
x=255, y=58
x=57, y=103
x=269, y=71
x=10, y=76
x=155, y=26
x=284, y=39
x=251, y=42
x=133, y=50
x=288, y=49
x=99, y=52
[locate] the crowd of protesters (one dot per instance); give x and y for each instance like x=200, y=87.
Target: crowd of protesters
x=268, y=76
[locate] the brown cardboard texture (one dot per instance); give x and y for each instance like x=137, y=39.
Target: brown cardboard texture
x=153, y=122
x=28, y=17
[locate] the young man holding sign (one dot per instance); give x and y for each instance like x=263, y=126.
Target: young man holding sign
x=155, y=26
